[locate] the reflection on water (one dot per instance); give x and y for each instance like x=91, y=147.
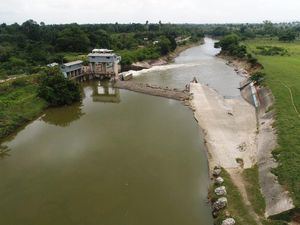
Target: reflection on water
x=103, y=91
x=4, y=151
x=63, y=116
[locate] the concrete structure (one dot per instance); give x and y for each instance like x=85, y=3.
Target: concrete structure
x=104, y=63
x=72, y=70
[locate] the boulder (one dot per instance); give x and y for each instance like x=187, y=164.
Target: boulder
x=229, y=221
x=220, y=204
x=217, y=171
x=221, y=190
x=219, y=180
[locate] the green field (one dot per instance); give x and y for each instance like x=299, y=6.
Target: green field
x=19, y=104
x=283, y=77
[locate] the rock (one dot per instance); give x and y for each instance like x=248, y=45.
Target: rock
x=220, y=204
x=217, y=171
x=220, y=191
x=229, y=221
x=219, y=180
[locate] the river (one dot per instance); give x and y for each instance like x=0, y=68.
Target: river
x=118, y=157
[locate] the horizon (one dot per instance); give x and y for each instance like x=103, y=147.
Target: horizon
x=128, y=23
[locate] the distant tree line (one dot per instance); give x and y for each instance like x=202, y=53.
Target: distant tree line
x=25, y=48
x=283, y=31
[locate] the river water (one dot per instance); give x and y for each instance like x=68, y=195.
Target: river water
x=199, y=62
x=118, y=157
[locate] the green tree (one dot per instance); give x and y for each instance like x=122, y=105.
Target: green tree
x=164, y=45
x=73, y=39
x=58, y=90
x=287, y=36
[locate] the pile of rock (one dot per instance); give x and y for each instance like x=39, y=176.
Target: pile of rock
x=220, y=190
x=229, y=221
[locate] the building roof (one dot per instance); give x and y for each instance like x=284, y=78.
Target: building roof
x=73, y=63
x=102, y=50
x=102, y=54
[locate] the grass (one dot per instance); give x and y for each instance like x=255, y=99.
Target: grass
x=283, y=77
x=236, y=207
x=255, y=196
x=19, y=104
x=250, y=177
x=69, y=57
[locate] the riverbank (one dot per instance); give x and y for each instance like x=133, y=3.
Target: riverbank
x=164, y=60
x=19, y=104
x=277, y=198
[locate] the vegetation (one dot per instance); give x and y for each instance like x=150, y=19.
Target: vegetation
x=26, y=48
x=254, y=194
x=282, y=76
x=271, y=50
x=236, y=207
x=258, y=78
x=230, y=44
x=19, y=104
x=58, y=90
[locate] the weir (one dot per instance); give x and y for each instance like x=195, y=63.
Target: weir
x=181, y=95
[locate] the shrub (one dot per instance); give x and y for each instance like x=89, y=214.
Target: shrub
x=258, y=78
x=58, y=90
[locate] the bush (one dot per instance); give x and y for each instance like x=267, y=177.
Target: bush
x=258, y=78
x=231, y=44
x=58, y=90
x=20, y=82
x=271, y=50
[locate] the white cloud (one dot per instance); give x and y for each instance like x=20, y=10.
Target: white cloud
x=126, y=11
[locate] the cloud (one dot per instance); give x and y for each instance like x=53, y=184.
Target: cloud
x=175, y=11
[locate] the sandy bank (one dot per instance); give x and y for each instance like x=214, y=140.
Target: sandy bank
x=229, y=126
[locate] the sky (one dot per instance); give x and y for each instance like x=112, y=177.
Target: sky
x=139, y=11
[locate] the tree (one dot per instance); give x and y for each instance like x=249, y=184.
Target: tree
x=228, y=42
x=164, y=45
x=73, y=39
x=287, y=36
x=58, y=90
x=31, y=29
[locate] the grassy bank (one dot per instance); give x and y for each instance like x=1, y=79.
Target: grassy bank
x=283, y=77
x=19, y=104
x=236, y=207
x=255, y=197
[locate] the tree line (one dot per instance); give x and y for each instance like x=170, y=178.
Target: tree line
x=25, y=48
